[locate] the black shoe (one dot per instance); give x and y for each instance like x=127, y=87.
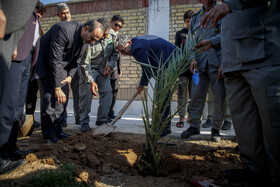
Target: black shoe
x=51, y=140
x=36, y=124
x=85, y=127
x=243, y=175
x=207, y=124
x=62, y=135
x=226, y=125
x=16, y=155
x=190, y=132
x=165, y=132
x=112, y=116
x=7, y=166
x=109, y=120
x=99, y=123
x=215, y=135
x=64, y=125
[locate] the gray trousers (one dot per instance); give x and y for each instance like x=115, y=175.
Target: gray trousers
x=254, y=102
x=182, y=93
x=211, y=107
x=198, y=98
x=105, y=99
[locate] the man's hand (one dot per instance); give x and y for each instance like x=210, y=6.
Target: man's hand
x=61, y=97
x=3, y=22
x=204, y=45
x=140, y=89
x=215, y=14
x=193, y=66
x=108, y=70
x=220, y=76
x=14, y=54
x=67, y=80
x=93, y=88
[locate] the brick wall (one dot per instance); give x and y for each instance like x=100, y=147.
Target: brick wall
x=176, y=21
x=135, y=13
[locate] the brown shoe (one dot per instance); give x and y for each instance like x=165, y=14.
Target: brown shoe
x=26, y=129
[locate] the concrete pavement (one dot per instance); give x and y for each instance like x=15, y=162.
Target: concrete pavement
x=133, y=124
x=131, y=121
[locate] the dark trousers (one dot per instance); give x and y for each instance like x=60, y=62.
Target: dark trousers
x=75, y=91
x=5, y=123
x=13, y=101
x=52, y=113
x=31, y=97
x=115, y=89
x=76, y=95
x=7, y=46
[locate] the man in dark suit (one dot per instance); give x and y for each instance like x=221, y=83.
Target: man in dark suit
x=61, y=47
x=251, y=66
x=147, y=49
x=64, y=14
x=14, y=16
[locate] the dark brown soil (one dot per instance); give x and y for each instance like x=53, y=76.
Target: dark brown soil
x=109, y=160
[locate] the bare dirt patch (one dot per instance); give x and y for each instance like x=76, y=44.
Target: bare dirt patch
x=109, y=160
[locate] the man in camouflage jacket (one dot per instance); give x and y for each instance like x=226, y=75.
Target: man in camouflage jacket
x=99, y=61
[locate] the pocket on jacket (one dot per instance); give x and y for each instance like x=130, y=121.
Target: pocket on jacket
x=247, y=30
x=249, y=49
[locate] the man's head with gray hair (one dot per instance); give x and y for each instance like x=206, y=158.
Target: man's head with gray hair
x=122, y=40
x=63, y=12
x=124, y=45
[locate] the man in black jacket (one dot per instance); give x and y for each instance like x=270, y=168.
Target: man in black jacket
x=184, y=79
x=61, y=47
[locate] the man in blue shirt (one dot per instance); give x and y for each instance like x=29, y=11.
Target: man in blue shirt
x=147, y=49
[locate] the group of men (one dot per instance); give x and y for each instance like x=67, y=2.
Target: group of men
x=52, y=60
x=238, y=55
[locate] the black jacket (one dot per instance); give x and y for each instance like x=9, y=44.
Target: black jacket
x=60, y=49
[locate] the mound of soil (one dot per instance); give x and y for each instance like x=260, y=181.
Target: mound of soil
x=109, y=160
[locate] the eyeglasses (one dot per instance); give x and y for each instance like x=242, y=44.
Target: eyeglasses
x=117, y=25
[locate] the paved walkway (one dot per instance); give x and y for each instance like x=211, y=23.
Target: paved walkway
x=133, y=124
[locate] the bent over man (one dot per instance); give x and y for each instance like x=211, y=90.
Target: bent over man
x=97, y=68
x=60, y=49
x=147, y=49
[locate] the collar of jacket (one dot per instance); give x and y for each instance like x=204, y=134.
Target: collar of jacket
x=78, y=32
